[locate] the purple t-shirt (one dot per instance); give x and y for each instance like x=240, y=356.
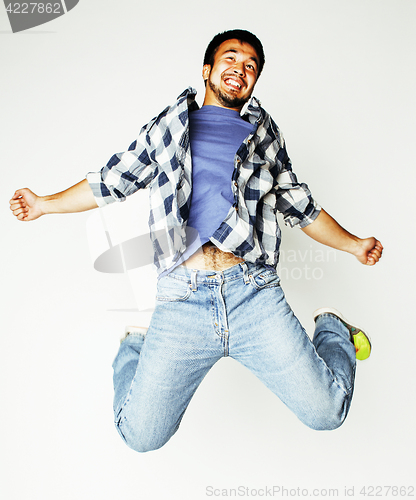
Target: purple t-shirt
x=215, y=136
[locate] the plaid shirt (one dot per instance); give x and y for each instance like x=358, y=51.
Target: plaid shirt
x=263, y=184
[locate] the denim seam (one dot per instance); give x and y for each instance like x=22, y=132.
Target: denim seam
x=177, y=277
x=226, y=334
x=222, y=336
x=213, y=311
x=337, y=383
x=257, y=287
x=229, y=279
x=178, y=299
x=118, y=427
x=126, y=400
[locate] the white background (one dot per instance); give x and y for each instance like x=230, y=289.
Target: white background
x=339, y=80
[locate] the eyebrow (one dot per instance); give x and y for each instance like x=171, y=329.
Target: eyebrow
x=235, y=51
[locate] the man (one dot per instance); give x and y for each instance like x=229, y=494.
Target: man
x=224, y=297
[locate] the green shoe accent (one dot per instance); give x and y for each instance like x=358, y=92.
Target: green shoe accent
x=362, y=345
x=361, y=342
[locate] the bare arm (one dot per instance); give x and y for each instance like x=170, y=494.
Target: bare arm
x=27, y=206
x=327, y=231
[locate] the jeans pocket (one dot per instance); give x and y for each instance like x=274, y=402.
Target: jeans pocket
x=264, y=279
x=171, y=289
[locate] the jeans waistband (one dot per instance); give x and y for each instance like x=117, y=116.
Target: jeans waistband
x=194, y=276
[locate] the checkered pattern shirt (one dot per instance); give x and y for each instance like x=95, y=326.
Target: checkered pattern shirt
x=263, y=184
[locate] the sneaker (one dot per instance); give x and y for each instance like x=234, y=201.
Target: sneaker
x=359, y=338
x=134, y=330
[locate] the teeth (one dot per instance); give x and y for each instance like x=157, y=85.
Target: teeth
x=233, y=83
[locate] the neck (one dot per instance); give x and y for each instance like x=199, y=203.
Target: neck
x=213, y=102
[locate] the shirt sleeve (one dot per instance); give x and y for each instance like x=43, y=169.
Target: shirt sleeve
x=293, y=199
x=124, y=173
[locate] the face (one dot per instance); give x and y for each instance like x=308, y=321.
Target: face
x=231, y=79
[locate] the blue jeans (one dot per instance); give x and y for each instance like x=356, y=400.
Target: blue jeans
x=201, y=316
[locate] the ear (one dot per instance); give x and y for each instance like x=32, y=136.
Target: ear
x=206, y=70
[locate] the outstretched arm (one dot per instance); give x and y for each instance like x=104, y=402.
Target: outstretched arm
x=327, y=231
x=27, y=206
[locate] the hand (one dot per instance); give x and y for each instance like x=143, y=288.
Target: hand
x=25, y=205
x=369, y=251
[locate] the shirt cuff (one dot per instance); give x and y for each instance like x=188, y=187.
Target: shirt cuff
x=316, y=210
x=100, y=191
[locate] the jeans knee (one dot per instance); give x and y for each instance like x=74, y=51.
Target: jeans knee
x=326, y=423
x=140, y=440
x=144, y=446
x=328, y=416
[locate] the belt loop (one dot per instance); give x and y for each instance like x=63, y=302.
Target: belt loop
x=193, y=280
x=245, y=272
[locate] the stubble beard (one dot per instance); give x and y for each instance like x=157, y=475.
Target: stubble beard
x=226, y=100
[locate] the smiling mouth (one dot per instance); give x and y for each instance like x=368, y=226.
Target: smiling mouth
x=232, y=83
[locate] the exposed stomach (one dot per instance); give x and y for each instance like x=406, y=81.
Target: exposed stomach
x=210, y=257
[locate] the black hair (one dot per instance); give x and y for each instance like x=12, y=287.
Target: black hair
x=242, y=36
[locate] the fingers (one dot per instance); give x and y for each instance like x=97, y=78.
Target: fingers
x=374, y=255
x=25, y=205
x=20, y=211
x=378, y=246
x=18, y=194
x=21, y=216
x=17, y=201
x=372, y=259
x=18, y=206
x=20, y=202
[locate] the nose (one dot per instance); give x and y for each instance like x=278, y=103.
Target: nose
x=239, y=69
